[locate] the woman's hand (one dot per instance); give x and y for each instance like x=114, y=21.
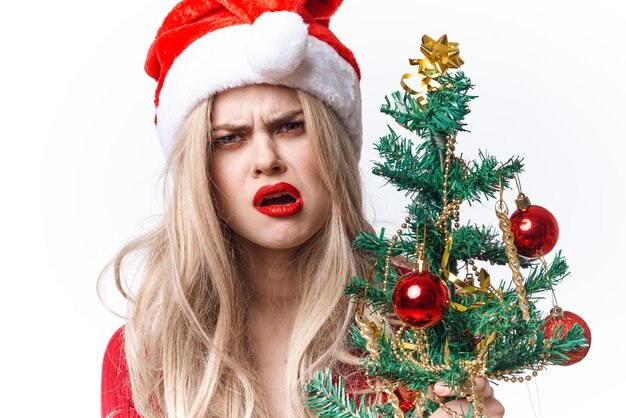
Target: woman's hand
x=493, y=408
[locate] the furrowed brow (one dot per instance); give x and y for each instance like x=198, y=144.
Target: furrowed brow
x=273, y=121
x=230, y=127
x=284, y=117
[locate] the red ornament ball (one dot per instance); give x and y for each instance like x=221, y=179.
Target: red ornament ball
x=535, y=231
x=421, y=299
x=559, y=323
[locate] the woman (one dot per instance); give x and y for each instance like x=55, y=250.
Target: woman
x=258, y=113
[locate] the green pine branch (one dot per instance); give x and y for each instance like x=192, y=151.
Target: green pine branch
x=538, y=281
x=408, y=169
x=328, y=399
x=378, y=300
x=559, y=346
x=473, y=242
x=418, y=172
x=446, y=110
x=481, y=179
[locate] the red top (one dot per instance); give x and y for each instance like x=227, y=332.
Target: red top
x=116, y=392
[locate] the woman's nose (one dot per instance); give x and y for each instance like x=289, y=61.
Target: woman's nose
x=267, y=159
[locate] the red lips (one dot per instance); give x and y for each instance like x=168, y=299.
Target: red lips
x=280, y=199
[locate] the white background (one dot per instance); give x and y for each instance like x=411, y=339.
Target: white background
x=80, y=160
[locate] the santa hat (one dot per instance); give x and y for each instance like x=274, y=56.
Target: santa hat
x=207, y=46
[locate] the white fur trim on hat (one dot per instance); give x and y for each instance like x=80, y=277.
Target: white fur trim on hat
x=218, y=61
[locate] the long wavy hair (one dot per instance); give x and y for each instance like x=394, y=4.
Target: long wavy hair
x=186, y=354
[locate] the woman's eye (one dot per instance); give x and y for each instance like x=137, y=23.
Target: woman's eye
x=226, y=140
x=292, y=128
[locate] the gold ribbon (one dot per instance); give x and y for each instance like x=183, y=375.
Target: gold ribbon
x=481, y=347
x=484, y=280
x=445, y=258
x=465, y=287
x=440, y=55
x=420, y=95
x=485, y=287
x=426, y=72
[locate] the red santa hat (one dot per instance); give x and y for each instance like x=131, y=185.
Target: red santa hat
x=207, y=46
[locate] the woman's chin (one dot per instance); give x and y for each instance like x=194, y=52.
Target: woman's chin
x=275, y=241
x=277, y=246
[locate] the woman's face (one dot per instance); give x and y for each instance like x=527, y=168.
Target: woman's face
x=267, y=188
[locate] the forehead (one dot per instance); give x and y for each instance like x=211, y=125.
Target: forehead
x=258, y=100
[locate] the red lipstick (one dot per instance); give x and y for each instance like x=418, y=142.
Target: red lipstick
x=280, y=199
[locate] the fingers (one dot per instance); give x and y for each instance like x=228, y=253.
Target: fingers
x=493, y=407
x=394, y=321
x=483, y=389
x=443, y=390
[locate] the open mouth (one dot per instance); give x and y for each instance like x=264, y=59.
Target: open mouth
x=277, y=199
x=280, y=199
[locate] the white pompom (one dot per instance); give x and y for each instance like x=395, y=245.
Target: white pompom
x=276, y=44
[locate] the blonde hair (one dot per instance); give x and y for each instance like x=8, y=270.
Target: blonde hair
x=186, y=354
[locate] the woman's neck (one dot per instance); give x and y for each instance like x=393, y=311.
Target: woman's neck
x=275, y=287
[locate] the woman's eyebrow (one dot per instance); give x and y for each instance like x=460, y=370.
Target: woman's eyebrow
x=273, y=121
x=284, y=117
x=230, y=127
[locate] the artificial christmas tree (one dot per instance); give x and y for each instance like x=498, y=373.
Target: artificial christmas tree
x=454, y=329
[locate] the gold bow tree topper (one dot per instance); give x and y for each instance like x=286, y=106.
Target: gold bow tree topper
x=439, y=56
